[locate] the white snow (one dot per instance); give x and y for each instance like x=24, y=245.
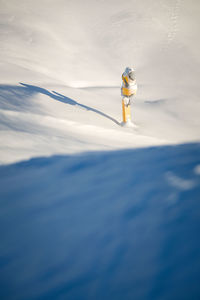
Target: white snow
x=197, y=170
x=90, y=209
x=79, y=50
x=180, y=183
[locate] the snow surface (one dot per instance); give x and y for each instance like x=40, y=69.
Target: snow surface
x=109, y=225
x=61, y=65
x=116, y=216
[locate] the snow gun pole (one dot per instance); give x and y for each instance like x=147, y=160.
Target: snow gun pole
x=126, y=111
x=128, y=90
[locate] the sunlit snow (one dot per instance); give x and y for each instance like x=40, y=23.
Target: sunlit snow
x=90, y=209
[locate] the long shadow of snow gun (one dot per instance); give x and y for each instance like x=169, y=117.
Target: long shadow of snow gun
x=128, y=91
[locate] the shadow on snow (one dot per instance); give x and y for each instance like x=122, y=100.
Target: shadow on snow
x=108, y=225
x=59, y=97
x=18, y=98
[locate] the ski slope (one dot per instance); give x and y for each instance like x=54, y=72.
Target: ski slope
x=109, y=225
x=89, y=209
x=61, y=67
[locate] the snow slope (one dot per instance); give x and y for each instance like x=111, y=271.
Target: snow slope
x=78, y=221
x=74, y=227
x=79, y=50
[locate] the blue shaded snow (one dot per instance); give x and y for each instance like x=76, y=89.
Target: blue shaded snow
x=108, y=225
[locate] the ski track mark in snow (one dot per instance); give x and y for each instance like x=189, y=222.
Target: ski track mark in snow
x=174, y=22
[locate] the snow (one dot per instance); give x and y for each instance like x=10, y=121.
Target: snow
x=75, y=52
x=91, y=209
x=105, y=225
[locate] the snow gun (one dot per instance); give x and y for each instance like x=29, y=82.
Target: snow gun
x=128, y=91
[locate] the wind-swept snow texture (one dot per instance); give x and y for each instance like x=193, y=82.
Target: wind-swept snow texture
x=69, y=57
x=110, y=225
x=93, y=223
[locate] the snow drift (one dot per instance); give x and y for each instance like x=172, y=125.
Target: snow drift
x=79, y=50
x=109, y=225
